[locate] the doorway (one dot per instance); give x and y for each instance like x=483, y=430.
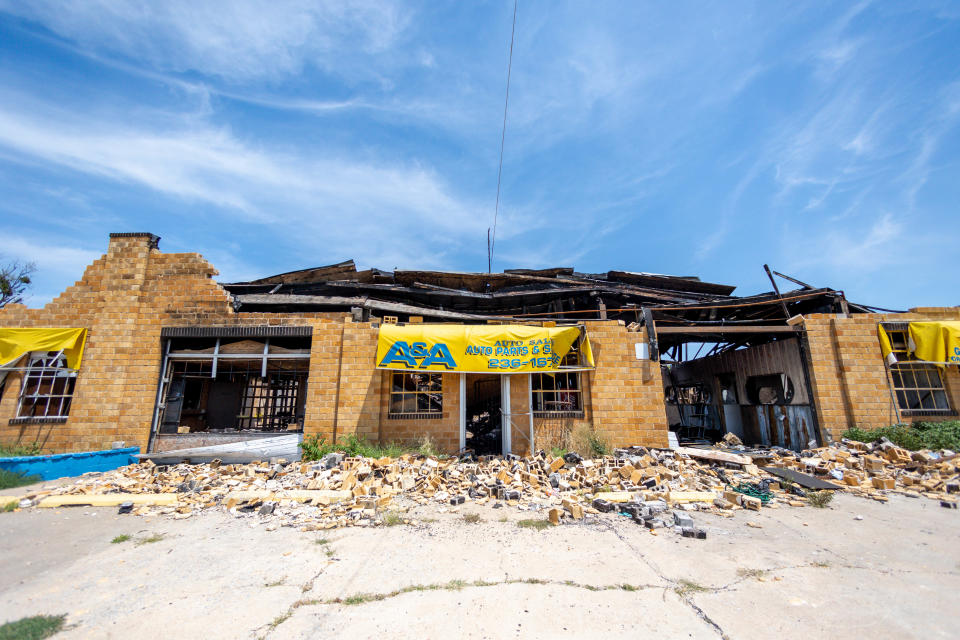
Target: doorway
x=484, y=414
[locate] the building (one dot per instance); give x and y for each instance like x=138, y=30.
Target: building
x=164, y=357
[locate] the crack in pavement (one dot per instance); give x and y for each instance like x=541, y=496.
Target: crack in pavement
x=677, y=587
x=459, y=585
x=276, y=622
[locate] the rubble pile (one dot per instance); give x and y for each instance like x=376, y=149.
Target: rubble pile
x=873, y=470
x=643, y=484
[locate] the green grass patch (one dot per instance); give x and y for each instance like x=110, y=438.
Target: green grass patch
x=12, y=479
x=558, y=452
x=427, y=447
x=751, y=573
x=32, y=628
x=686, y=587
x=120, y=538
x=314, y=448
x=538, y=525
x=919, y=435
x=280, y=619
x=157, y=537
x=17, y=450
x=391, y=518
x=819, y=499
x=10, y=506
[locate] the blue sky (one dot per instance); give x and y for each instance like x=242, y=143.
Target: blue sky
x=684, y=138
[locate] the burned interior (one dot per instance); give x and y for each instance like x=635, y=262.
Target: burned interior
x=233, y=383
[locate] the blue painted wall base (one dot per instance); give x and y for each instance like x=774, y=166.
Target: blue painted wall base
x=64, y=465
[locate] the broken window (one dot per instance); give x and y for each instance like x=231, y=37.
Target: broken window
x=416, y=395
x=774, y=388
x=558, y=394
x=47, y=390
x=234, y=384
x=917, y=385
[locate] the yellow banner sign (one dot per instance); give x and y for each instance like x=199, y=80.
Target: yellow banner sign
x=15, y=343
x=936, y=342
x=503, y=348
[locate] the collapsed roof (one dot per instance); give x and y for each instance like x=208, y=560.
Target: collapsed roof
x=559, y=293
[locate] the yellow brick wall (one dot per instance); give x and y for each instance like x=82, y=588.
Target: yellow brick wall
x=124, y=299
x=443, y=431
x=850, y=381
x=128, y=295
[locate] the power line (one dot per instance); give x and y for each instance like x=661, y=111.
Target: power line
x=492, y=240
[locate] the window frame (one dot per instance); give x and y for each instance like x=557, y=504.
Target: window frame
x=274, y=372
x=41, y=367
x=572, y=359
x=421, y=388
x=906, y=362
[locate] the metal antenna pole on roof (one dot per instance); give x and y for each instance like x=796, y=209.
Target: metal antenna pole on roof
x=489, y=257
x=492, y=240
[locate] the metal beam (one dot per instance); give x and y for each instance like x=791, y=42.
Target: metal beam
x=720, y=330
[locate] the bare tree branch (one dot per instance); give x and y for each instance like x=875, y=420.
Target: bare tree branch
x=15, y=279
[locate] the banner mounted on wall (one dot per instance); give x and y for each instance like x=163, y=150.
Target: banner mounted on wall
x=15, y=343
x=501, y=348
x=932, y=342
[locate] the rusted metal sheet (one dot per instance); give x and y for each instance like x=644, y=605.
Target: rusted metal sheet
x=789, y=426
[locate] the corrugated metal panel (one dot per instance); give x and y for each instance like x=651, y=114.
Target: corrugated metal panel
x=236, y=332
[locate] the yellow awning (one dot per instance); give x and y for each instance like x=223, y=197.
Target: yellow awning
x=15, y=343
x=503, y=348
x=936, y=342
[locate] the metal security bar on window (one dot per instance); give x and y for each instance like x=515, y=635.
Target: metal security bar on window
x=558, y=394
x=918, y=386
x=413, y=394
x=47, y=390
x=225, y=384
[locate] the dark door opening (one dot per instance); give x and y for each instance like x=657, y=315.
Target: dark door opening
x=484, y=423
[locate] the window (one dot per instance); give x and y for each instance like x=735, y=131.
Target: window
x=918, y=386
x=229, y=384
x=47, y=390
x=418, y=395
x=774, y=388
x=558, y=394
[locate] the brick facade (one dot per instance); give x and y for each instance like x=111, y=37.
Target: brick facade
x=128, y=295
x=850, y=381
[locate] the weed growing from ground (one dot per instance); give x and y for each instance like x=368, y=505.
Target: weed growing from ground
x=538, y=525
x=819, y=499
x=32, y=628
x=472, y=518
x=686, y=587
x=751, y=573
x=391, y=518
x=919, y=435
x=123, y=537
x=13, y=479
x=17, y=450
x=157, y=537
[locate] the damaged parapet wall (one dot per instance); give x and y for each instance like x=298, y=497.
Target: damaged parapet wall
x=127, y=296
x=851, y=384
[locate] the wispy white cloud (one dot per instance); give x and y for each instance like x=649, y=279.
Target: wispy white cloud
x=855, y=251
x=56, y=261
x=374, y=209
x=239, y=42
